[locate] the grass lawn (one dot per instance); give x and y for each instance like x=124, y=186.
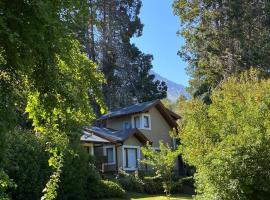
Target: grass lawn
x=139, y=196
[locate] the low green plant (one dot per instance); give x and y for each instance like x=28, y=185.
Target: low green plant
x=162, y=162
x=107, y=188
x=130, y=181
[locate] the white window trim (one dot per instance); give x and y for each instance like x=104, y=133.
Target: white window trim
x=124, y=157
x=105, y=154
x=149, y=117
x=133, y=121
x=141, y=116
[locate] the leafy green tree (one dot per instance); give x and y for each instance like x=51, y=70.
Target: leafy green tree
x=44, y=73
x=223, y=38
x=162, y=162
x=228, y=141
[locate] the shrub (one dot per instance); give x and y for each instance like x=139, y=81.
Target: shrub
x=79, y=174
x=26, y=163
x=229, y=142
x=130, y=181
x=162, y=162
x=107, y=188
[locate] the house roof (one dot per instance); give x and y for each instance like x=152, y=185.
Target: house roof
x=116, y=136
x=88, y=137
x=169, y=115
x=136, y=108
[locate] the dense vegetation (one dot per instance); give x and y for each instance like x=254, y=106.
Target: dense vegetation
x=105, y=32
x=228, y=141
x=223, y=38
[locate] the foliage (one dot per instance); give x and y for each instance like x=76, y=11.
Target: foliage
x=162, y=162
x=228, y=141
x=105, y=31
x=130, y=181
x=223, y=38
x=107, y=188
x=79, y=175
x=44, y=73
x=27, y=164
x=177, y=106
x=139, y=181
x=5, y=184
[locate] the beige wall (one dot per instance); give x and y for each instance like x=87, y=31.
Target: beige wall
x=117, y=123
x=159, y=129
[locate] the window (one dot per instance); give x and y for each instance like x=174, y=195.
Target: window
x=142, y=121
x=137, y=122
x=146, y=121
x=131, y=154
x=109, y=152
x=131, y=158
x=126, y=125
x=89, y=149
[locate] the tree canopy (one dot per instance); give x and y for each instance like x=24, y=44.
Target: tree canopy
x=44, y=76
x=223, y=38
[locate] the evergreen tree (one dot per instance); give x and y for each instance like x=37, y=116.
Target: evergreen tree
x=106, y=35
x=223, y=38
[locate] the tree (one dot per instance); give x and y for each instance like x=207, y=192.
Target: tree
x=228, y=141
x=44, y=74
x=105, y=33
x=223, y=38
x=162, y=162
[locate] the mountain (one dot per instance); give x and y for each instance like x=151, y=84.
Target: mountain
x=174, y=89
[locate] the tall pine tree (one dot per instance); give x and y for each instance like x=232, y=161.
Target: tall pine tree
x=105, y=33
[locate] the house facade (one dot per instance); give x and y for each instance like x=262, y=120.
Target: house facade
x=116, y=142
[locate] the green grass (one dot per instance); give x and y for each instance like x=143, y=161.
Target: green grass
x=138, y=196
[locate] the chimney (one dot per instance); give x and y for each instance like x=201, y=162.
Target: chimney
x=135, y=100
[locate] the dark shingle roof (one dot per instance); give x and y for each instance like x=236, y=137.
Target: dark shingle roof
x=136, y=108
x=113, y=135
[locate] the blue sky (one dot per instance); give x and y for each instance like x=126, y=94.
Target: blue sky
x=159, y=39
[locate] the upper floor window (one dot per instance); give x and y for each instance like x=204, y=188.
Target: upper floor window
x=137, y=122
x=142, y=121
x=146, y=121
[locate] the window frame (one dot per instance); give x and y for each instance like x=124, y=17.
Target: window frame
x=89, y=148
x=149, y=121
x=133, y=121
x=105, y=154
x=124, y=157
x=141, y=119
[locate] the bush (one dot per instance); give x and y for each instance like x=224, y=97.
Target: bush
x=130, y=181
x=229, y=142
x=107, y=188
x=26, y=163
x=79, y=175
